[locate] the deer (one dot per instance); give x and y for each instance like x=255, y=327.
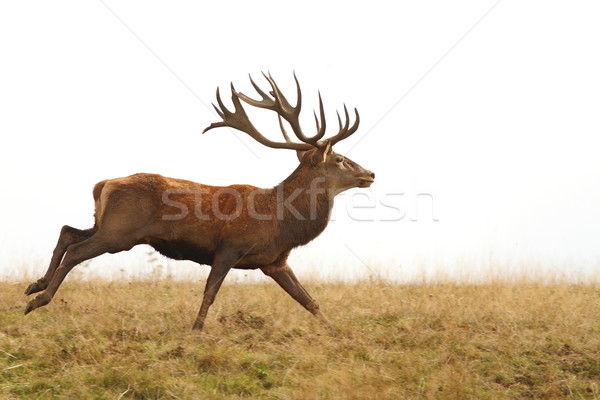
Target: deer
x=231, y=227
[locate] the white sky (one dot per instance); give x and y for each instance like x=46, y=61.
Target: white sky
x=497, y=119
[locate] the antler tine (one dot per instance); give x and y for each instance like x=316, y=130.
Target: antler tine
x=320, y=128
x=298, y=95
x=317, y=121
x=266, y=101
x=283, y=131
x=217, y=108
x=354, y=126
x=284, y=104
x=345, y=131
x=221, y=114
x=346, y=119
x=238, y=119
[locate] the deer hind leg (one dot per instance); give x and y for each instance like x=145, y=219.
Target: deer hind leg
x=68, y=236
x=285, y=277
x=75, y=254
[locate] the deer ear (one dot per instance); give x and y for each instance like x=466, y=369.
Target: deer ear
x=300, y=154
x=316, y=156
x=323, y=151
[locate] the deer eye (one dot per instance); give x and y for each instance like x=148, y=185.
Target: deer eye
x=339, y=159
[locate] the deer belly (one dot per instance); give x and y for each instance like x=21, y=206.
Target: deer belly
x=258, y=259
x=183, y=250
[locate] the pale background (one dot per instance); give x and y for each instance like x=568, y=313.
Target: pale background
x=489, y=110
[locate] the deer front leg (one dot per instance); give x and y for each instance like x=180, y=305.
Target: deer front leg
x=222, y=264
x=285, y=277
x=68, y=236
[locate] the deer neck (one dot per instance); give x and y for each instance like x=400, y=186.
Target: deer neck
x=304, y=205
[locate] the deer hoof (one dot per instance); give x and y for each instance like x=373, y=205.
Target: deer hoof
x=29, y=308
x=198, y=327
x=36, y=303
x=34, y=288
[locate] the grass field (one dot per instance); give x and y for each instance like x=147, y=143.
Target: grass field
x=133, y=340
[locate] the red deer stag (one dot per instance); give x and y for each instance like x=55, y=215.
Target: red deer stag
x=238, y=226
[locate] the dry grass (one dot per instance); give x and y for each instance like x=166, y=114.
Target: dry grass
x=121, y=341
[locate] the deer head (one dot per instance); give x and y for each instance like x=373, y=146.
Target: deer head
x=339, y=172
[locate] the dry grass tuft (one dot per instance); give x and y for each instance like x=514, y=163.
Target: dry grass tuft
x=133, y=340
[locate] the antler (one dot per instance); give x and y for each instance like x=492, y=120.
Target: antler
x=284, y=110
x=238, y=119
